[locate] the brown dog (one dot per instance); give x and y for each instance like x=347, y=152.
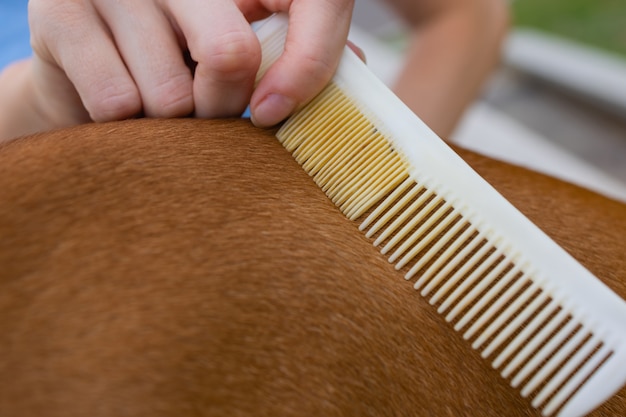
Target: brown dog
x=192, y=268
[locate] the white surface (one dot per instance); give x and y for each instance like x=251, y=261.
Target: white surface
x=596, y=75
x=491, y=133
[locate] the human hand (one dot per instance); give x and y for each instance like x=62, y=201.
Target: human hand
x=107, y=60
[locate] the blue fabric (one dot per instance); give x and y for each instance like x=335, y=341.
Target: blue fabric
x=14, y=34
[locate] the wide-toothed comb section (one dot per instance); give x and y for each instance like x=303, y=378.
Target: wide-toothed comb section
x=554, y=331
x=492, y=300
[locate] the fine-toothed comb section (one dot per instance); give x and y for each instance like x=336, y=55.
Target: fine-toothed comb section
x=553, y=330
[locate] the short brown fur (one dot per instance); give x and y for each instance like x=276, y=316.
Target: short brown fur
x=191, y=268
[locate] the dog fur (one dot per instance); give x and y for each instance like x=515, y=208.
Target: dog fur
x=191, y=268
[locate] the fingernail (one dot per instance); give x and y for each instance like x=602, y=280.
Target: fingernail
x=272, y=110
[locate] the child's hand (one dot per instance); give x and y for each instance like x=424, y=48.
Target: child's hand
x=106, y=60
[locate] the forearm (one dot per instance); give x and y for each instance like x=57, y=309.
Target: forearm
x=452, y=51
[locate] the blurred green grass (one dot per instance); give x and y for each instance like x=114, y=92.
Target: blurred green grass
x=600, y=23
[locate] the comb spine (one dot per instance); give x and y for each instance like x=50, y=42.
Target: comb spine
x=590, y=302
x=401, y=126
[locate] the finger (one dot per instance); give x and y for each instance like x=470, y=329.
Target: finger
x=227, y=51
x=358, y=51
x=59, y=103
x=151, y=51
x=317, y=34
x=97, y=74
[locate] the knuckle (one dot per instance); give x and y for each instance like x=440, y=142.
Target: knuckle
x=38, y=10
x=53, y=25
x=232, y=56
x=46, y=16
x=315, y=69
x=317, y=66
x=41, y=28
x=112, y=101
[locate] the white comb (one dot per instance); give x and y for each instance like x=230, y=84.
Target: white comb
x=555, y=332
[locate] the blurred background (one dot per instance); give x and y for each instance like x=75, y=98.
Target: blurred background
x=556, y=104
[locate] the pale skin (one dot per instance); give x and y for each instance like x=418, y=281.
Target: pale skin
x=454, y=45
x=99, y=60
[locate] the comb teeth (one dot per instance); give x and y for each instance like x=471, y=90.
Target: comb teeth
x=351, y=162
x=553, y=330
x=477, y=281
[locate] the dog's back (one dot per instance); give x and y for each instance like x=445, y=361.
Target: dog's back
x=187, y=267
